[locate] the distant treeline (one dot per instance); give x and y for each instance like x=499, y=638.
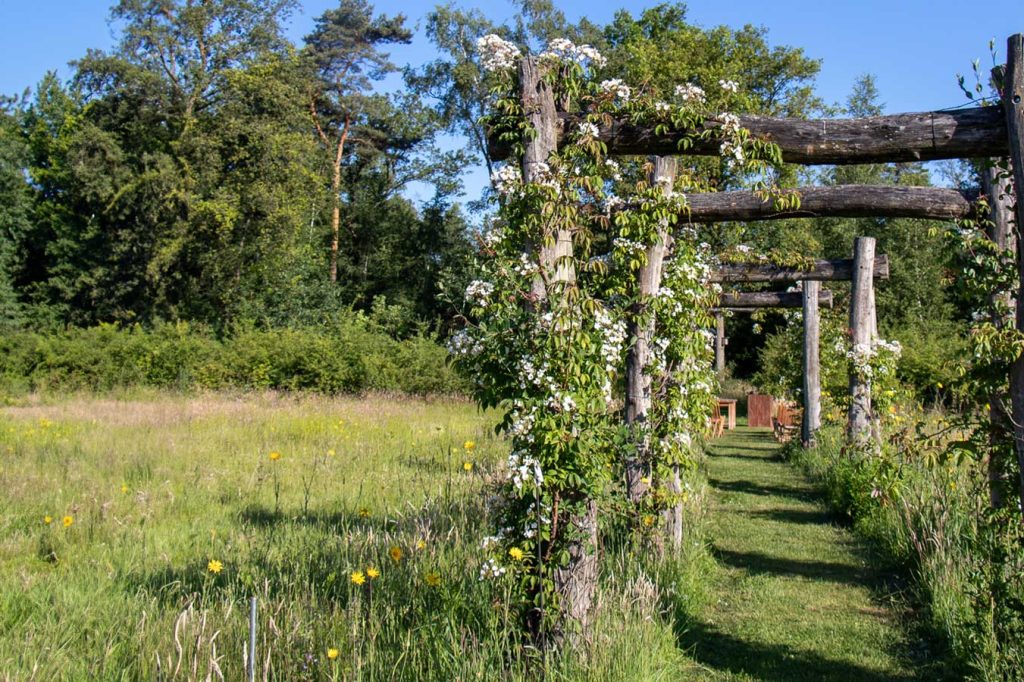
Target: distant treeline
x=349, y=355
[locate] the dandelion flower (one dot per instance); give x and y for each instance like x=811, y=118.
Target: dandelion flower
x=421, y=544
x=467, y=466
x=124, y=487
x=332, y=653
x=395, y=553
x=47, y=519
x=516, y=553
x=357, y=578
x=648, y=520
x=274, y=456
x=68, y=520
x=469, y=445
x=364, y=512
x=331, y=453
x=372, y=572
x=432, y=579
x=214, y=566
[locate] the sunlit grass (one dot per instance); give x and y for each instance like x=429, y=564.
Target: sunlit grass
x=355, y=522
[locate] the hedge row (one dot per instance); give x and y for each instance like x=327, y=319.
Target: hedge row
x=345, y=357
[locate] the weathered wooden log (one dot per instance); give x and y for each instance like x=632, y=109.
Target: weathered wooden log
x=812, y=368
x=849, y=201
x=720, y=343
x=576, y=579
x=818, y=271
x=858, y=426
x=752, y=300
x=927, y=136
x=1013, y=109
x=641, y=329
x=999, y=191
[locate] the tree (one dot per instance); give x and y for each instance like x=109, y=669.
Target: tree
x=15, y=206
x=344, y=49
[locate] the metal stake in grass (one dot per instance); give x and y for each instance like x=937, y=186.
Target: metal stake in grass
x=251, y=663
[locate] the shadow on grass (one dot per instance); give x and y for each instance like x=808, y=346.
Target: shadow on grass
x=756, y=563
x=812, y=516
x=769, y=662
x=751, y=488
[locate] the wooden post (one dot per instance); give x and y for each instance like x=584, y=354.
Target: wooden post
x=999, y=192
x=642, y=329
x=812, y=368
x=1013, y=105
x=575, y=580
x=720, y=343
x=858, y=428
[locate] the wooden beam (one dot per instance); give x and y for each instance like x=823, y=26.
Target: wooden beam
x=1013, y=109
x=751, y=300
x=858, y=427
x=819, y=271
x=812, y=367
x=844, y=201
x=927, y=136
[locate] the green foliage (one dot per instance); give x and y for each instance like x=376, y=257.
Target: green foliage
x=922, y=510
x=346, y=356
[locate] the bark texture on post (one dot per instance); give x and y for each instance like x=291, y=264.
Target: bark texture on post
x=812, y=368
x=720, y=344
x=861, y=317
x=642, y=329
x=576, y=581
x=1013, y=106
x=999, y=192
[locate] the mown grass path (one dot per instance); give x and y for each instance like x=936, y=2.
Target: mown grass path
x=796, y=596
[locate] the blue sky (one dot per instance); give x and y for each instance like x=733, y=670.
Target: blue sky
x=914, y=48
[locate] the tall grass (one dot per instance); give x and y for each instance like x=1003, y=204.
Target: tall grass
x=932, y=516
x=157, y=487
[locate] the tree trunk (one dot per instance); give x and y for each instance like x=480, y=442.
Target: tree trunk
x=339, y=156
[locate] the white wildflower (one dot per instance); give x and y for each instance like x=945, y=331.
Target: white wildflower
x=689, y=92
x=497, y=53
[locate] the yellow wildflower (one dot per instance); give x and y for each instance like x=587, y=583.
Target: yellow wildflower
x=331, y=453
x=467, y=466
x=372, y=572
x=332, y=654
x=214, y=566
x=421, y=544
x=364, y=512
x=432, y=579
x=516, y=553
x=357, y=578
x=124, y=487
x=47, y=519
x=395, y=553
x=274, y=456
x=68, y=520
x=468, y=446
x=648, y=520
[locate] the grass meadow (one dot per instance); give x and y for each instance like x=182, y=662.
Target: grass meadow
x=135, y=528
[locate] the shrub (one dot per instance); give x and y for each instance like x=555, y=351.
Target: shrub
x=346, y=356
